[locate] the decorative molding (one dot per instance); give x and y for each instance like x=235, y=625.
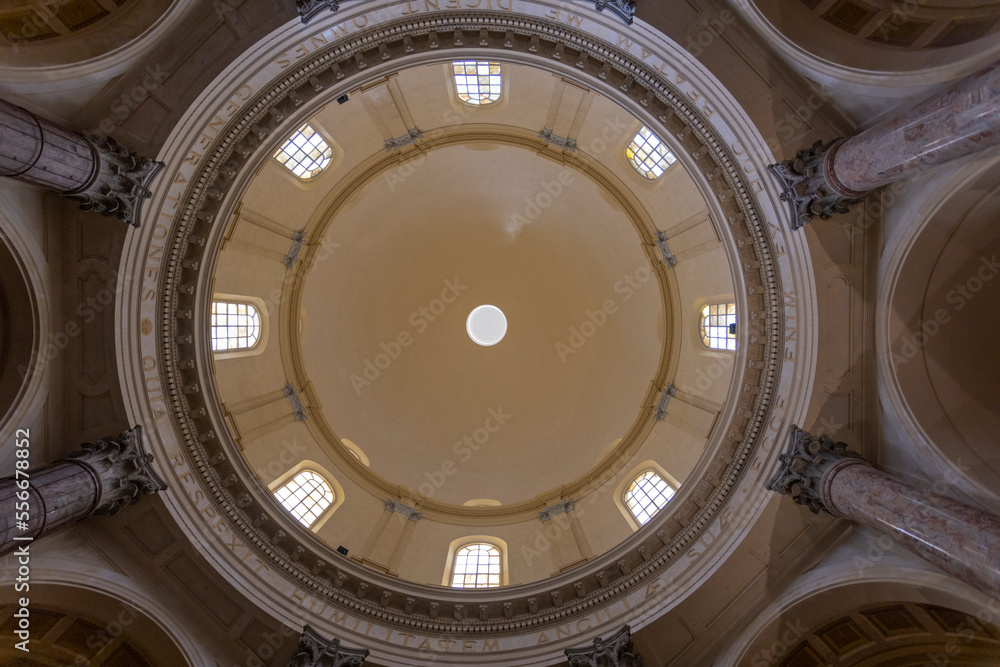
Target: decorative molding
x=298, y=240
x=625, y=9
x=565, y=506
x=615, y=651
x=805, y=467
x=398, y=507
x=314, y=651
x=668, y=257
x=121, y=184
x=124, y=469
x=404, y=140
x=807, y=183
x=253, y=520
x=298, y=409
x=562, y=142
x=661, y=408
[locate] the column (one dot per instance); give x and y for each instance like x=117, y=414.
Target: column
x=314, y=651
x=615, y=651
x=961, y=540
x=102, y=479
x=99, y=173
x=828, y=178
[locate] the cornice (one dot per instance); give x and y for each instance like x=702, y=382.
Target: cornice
x=185, y=364
x=296, y=365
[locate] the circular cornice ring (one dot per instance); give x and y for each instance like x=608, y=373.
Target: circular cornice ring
x=287, y=571
x=356, y=181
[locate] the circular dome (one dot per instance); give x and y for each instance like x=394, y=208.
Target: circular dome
x=486, y=325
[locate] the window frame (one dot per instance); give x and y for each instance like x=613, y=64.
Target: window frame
x=292, y=480
x=470, y=540
x=330, y=146
x=635, y=480
x=258, y=347
x=331, y=480
x=627, y=481
x=702, y=326
x=636, y=168
x=467, y=103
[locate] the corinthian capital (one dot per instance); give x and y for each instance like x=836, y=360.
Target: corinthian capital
x=121, y=184
x=314, y=651
x=124, y=469
x=615, y=651
x=805, y=467
x=809, y=186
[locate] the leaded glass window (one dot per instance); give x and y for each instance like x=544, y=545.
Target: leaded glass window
x=234, y=326
x=477, y=81
x=305, y=153
x=476, y=566
x=649, y=155
x=646, y=495
x=306, y=496
x=718, y=326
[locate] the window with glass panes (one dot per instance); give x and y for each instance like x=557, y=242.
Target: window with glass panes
x=718, y=326
x=646, y=495
x=476, y=566
x=306, y=496
x=234, y=326
x=477, y=82
x=305, y=153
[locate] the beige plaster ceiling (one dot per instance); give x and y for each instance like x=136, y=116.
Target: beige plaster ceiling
x=481, y=203
x=446, y=232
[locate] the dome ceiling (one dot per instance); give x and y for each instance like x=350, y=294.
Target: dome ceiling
x=414, y=258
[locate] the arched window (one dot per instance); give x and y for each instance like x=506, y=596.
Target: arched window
x=305, y=153
x=718, y=326
x=649, y=155
x=477, y=81
x=646, y=495
x=476, y=566
x=235, y=326
x=306, y=496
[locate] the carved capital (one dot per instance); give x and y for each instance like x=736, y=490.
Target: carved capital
x=121, y=182
x=123, y=468
x=398, y=507
x=807, y=467
x=310, y=8
x=615, y=651
x=564, y=506
x=809, y=186
x=625, y=9
x=314, y=651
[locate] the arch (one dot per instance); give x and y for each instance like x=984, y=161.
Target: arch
x=455, y=550
x=648, y=155
x=335, y=487
x=478, y=82
x=237, y=326
x=626, y=484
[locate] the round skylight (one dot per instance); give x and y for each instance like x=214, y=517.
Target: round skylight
x=486, y=325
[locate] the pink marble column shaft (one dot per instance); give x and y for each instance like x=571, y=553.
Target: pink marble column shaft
x=102, y=479
x=960, y=121
x=956, y=537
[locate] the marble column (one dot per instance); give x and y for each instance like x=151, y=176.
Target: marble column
x=102, y=479
x=314, y=651
x=615, y=651
x=98, y=172
x=824, y=476
x=827, y=179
